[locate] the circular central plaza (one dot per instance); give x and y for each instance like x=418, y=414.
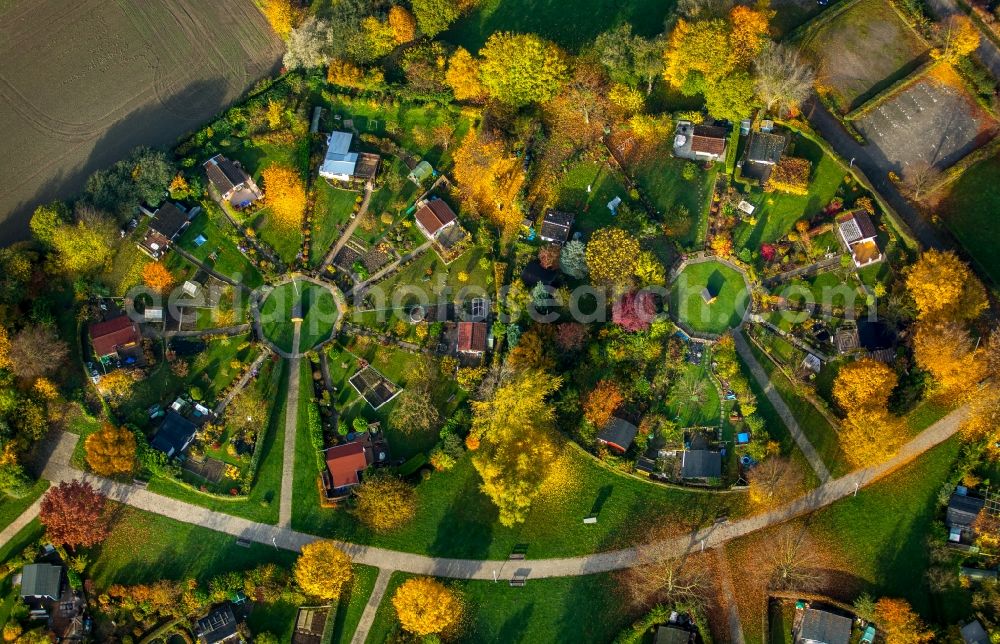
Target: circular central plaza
x=709, y=297
x=299, y=302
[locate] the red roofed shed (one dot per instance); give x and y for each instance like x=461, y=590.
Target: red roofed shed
x=433, y=216
x=472, y=337
x=346, y=462
x=109, y=336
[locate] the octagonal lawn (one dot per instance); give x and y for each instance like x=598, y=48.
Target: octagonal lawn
x=318, y=310
x=709, y=297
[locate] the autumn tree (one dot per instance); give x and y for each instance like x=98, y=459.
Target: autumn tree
x=157, y=278
x=945, y=349
x=46, y=219
x=111, y=451
x=322, y=570
x=864, y=384
x=774, y=481
x=518, y=69
x=426, y=607
x=629, y=58
x=117, y=385
x=36, y=350
x=385, y=503
x=531, y=352
x=571, y=336
x=784, y=81
x=280, y=15
x=516, y=433
x=941, y=284
x=489, y=178
x=463, y=76
x=611, y=256
x=722, y=244
x=247, y=412
x=870, y=436
x=416, y=410
x=403, y=23
x=285, y=195
x=899, y=624
x=634, y=311
x=87, y=245
x=748, y=33
x=601, y=403
x=958, y=37
x=434, y=16
x=919, y=178
x=794, y=561
x=73, y=514
x=660, y=576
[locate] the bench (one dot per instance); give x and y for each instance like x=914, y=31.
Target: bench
x=517, y=556
x=243, y=543
x=517, y=582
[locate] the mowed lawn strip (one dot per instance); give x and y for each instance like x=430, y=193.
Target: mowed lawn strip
x=13, y=507
x=333, y=209
x=543, y=610
x=970, y=212
x=352, y=603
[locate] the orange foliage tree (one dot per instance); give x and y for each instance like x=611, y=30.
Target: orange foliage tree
x=280, y=14
x=864, y=383
x=601, y=403
x=403, y=24
x=489, y=179
x=942, y=285
x=285, y=195
x=111, y=451
x=322, y=570
x=157, y=278
x=463, y=76
x=899, y=623
x=426, y=607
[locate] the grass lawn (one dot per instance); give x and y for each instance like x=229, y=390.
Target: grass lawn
x=286, y=242
x=591, y=208
x=544, y=610
x=690, y=307
x=319, y=312
x=455, y=519
x=660, y=177
x=777, y=212
x=262, y=503
x=11, y=507
x=874, y=48
x=444, y=280
x=813, y=424
x=694, y=400
x=221, y=243
x=333, y=209
x=352, y=603
x=875, y=542
x=551, y=20
x=970, y=211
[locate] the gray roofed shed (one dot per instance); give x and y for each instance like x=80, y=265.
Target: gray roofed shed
x=41, y=580
x=821, y=627
x=618, y=434
x=765, y=147
x=701, y=464
x=963, y=510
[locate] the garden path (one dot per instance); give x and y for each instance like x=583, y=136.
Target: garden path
x=726, y=585
x=244, y=379
x=236, y=329
x=368, y=617
x=386, y=271
x=779, y=405
x=349, y=231
x=208, y=269
x=58, y=469
x=291, y=429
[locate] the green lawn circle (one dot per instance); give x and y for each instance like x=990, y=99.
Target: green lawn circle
x=724, y=312
x=319, y=313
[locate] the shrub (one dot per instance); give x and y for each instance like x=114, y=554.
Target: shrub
x=790, y=175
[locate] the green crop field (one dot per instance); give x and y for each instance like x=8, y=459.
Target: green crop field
x=970, y=212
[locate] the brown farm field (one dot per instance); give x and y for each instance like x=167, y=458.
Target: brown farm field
x=81, y=83
x=862, y=51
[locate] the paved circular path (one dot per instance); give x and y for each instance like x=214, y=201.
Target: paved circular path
x=259, y=296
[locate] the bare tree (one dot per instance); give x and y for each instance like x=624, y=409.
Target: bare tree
x=919, y=178
x=37, y=351
x=795, y=561
x=783, y=79
x=307, y=45
x=661, y=576
x=773, y=480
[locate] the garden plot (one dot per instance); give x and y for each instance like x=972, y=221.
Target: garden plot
x=934, y=122
x=375, y=388
x=862, y=51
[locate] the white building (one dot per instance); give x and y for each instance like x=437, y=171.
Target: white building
x=339, y=162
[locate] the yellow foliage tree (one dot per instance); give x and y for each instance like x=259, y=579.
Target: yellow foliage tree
x=650, y=128
x=157, y=278
x=273, y=114
x=959, y=37
x=425, y=607
x=322, y=570
x=404, y=25
x=521, y=68
x=285, y=195
x=942, y=285
x=5, y=361
x=281, y=16
x=870, y=436
x=748, y=33
x=862, y=384
x=117, y=385
x=45, y=389
x=628, y=99
x=489, y=178
x=463, y=76
x=384, y=503
x=649, y=269
x=111, y=451
x=944, y=348
x=722, y=245
x=516, y=442
x=701, y=47
x=899, y=624
x=612, y=255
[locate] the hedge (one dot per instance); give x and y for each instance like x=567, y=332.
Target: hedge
x=889, y=92
x=952, y=174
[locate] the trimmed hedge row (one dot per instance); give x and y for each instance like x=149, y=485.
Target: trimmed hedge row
x=889, y=92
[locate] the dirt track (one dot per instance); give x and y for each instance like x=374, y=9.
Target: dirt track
x=83, y=83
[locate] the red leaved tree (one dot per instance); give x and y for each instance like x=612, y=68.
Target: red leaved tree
x=73, y=514
x=570, y=336
x=634, y=311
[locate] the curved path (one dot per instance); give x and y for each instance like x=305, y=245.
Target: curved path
x=58, y=469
